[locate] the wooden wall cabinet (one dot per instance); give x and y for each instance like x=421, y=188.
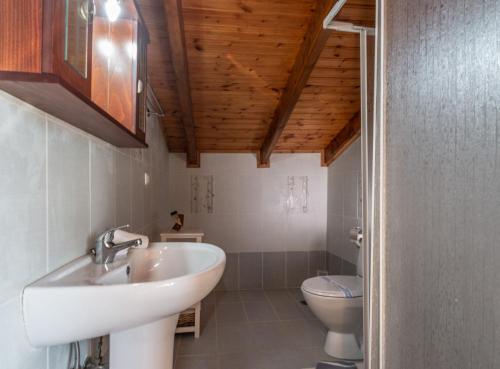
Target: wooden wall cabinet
x=69, y=59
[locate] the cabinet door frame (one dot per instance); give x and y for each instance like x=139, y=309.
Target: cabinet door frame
x=53, y=60
x=142, y=62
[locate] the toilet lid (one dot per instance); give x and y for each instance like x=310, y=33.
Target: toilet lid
x=345, y=286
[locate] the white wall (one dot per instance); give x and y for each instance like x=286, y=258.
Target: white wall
x=344, y=202
x=249, y=204
x=59, y=188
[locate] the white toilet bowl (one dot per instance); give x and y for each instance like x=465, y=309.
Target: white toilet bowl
x=337, y=301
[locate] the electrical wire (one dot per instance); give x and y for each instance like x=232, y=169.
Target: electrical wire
x=75, y=347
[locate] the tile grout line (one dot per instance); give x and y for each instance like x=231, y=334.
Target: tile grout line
x=89, y=145
x=272, y=306
x=286, y=269
x=47, y=349
x=238, y=279
x=46, y=194
x=262, y=270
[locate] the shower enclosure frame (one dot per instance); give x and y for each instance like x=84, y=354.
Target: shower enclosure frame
x=372, y=157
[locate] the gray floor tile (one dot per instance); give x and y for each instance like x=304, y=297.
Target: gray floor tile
x=296, y=358
x=288, y=310
x=234, y=337
x=268, y=330
x=197, y=362
x=230, y=313
x=319, y=354
x=285, y=305
x=296, y=294
x=306, y=311
x=209, y=299
x=268, y=335
x=205, y=344
x=240, y=360
x=278, y=295
x=260, y=311
x=303, y=333
x=208, y=317
x=271, y=360
x=253, y=296
x=227, y=297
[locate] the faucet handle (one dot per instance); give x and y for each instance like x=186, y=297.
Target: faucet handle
x=111, y=232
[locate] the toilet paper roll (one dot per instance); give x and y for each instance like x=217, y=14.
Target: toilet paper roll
x=356, y=235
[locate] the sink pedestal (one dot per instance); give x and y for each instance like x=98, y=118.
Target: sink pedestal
x=148, y=346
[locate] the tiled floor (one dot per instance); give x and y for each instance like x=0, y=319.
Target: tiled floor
x=253, y=330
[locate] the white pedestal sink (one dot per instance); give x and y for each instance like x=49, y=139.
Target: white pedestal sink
x=136, y=299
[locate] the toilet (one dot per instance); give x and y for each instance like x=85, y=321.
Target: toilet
x=337, y=301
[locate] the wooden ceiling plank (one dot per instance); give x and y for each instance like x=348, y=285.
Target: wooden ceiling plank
x=314, y=42
x=342, y=140
x=178, y=54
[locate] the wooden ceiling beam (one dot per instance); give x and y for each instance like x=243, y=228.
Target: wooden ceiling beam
x=342, y=140
x=175, y=30
x=314, y=42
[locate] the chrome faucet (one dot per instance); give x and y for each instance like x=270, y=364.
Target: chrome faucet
x=105, y=249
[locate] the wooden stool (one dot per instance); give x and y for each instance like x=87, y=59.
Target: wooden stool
x=189, y=320
x=182, y=236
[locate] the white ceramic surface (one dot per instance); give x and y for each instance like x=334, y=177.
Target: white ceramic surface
x=344, y=319
x=83, y=300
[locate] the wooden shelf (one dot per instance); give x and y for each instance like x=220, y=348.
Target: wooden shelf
x=51, y=94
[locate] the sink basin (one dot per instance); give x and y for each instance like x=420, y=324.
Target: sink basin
x=137, y=297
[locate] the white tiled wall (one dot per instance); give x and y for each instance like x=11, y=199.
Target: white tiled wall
x=344, y=202
x=59, y=187
x=249, y=204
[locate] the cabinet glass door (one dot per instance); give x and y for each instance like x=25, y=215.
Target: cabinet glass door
x=114, y=60
x=77, y=19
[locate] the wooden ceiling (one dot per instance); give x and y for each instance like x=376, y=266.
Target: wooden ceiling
x=260, y=75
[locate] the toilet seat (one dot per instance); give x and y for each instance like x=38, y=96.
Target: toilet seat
x=339, y=286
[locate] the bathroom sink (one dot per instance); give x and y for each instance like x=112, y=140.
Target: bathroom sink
x=142, y=290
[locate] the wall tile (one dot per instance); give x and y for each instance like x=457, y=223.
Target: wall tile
x=123, y=189
x=139, y=198
x=228, y=185
x=317, y=262
x=68, y=194
x=15, y=350
x=273, y=270
x=335, y=193
x=298, y=235
x=250, y=270
x=334, y=264
x=229, y=280
x=296, y=268
x=103, y=187
x=249, y=232
x=253, y=199
x=34, y=170
x=344, y=202
x=250, y=193
x=23, y=200
x=350, y=192
x=273, y=193
x=272, y=233
x=349, y=250
x=348, y=268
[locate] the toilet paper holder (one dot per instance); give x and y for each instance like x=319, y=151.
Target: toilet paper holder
x=356, y=236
